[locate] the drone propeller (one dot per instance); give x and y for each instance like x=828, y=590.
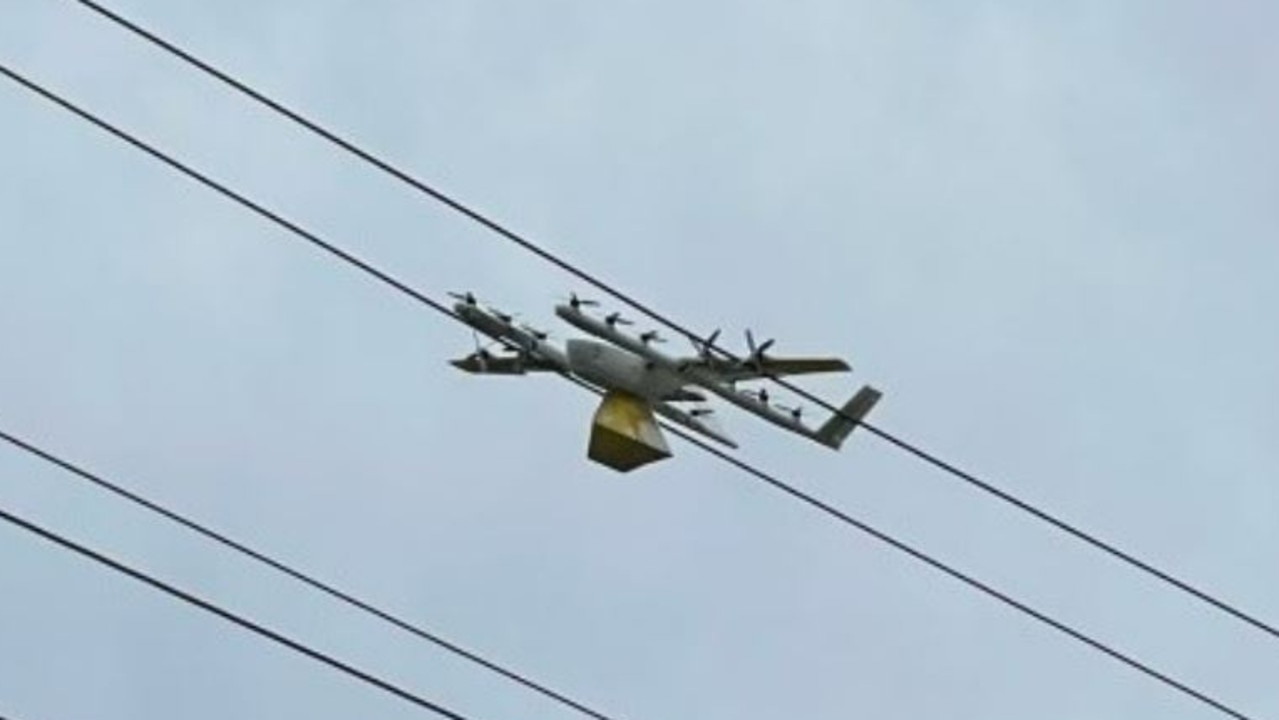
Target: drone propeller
x=578, y=303
x=650, y=337
x=762, y=395
x=481, y=354
x=466, y=297
x=757, y=351
x=482, y=350
x=615, y=319
x=703, y=347
x=701, y=411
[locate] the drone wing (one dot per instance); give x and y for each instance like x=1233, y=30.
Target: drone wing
x=485, y=364
x=775, y=367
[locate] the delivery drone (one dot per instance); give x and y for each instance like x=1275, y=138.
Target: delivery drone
x=639, y=383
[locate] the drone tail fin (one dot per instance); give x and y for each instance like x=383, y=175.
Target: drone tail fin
x=836, y=430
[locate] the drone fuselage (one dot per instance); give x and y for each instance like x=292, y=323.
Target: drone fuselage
x=613, y=368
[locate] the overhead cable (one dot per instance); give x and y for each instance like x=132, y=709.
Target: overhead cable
x=346, y=597
x=239, y=620
x=523, y=242
x=771, y=480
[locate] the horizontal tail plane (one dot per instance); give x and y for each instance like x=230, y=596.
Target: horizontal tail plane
x=837, y=429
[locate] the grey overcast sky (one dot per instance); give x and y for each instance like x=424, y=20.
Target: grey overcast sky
x=1046, y=230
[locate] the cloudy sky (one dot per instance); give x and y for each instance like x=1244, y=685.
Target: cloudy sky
x=1046, y=230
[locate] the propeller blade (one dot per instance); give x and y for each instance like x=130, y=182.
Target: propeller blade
x=465, y=297
x=617, y=319
x=578, y=303
x=701, y=411
x=481, y=349
x=703, y=347
x=756, y=357
x=651, y=336
x=710, y=341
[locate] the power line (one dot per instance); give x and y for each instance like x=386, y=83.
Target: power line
x=243, y=622
x=959, y=575
x=951, y=469
x=309, y=580
x=769, y=479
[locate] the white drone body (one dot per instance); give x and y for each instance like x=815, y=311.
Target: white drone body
x=639, y=382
